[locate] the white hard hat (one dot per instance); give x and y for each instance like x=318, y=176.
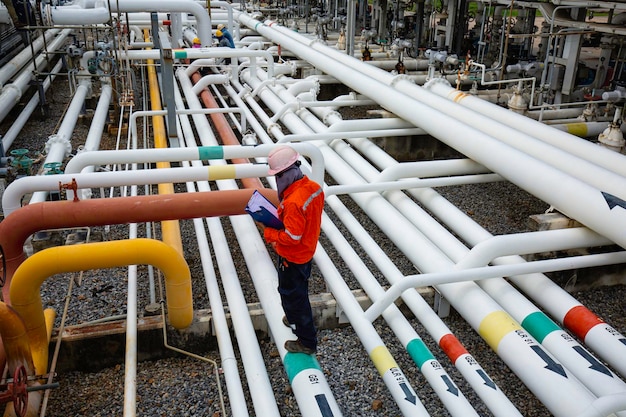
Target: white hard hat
x=220, y=26
x=281, y=158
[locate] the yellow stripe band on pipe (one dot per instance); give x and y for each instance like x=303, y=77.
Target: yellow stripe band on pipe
x=495, y=326
x=211, y=152
x=577, y=129
x=222, y=172
x=382, y=359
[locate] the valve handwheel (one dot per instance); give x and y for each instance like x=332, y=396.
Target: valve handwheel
x=19, y=392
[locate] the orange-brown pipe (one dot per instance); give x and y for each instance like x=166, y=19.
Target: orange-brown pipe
x=21, y=223
x=224, y=130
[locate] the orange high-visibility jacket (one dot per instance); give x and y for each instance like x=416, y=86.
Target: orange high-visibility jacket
x=301, y=212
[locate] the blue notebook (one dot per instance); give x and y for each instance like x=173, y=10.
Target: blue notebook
x=262, y=210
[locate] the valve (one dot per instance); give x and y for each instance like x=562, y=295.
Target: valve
x=53, y=168
x=17, y=392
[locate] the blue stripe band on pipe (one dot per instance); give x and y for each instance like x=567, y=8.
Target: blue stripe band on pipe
x=298, y=362
x=210, y=152
x=539, y=325
x=419, y=352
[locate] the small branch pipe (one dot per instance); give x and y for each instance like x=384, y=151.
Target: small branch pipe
x=202, y=153
x=18, y=188
x=25, y=287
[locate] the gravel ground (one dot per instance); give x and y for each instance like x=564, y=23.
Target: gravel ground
x=183, y=386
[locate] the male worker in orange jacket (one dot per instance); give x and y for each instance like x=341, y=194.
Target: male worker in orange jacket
x=300, y=210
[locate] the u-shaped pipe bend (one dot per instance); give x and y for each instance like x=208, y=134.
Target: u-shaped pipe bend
x=25, y=287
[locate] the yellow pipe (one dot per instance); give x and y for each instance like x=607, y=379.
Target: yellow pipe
x=170, y=229
x=25, y=287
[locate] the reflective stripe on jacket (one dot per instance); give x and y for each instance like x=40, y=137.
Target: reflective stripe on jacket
x=301, y=212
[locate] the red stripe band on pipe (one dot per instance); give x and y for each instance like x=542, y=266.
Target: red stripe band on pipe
x=452, y=347
x=580, y=320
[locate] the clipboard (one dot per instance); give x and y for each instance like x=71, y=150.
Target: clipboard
x=262, y=210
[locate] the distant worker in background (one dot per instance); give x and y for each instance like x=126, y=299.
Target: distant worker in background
x=223, y=42
x=300, y=210
x=227, y=35
x=196, y=43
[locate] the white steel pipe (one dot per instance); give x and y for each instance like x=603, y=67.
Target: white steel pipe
x=8, y=70
x=29, y=108
x=580, y=148
x=18, y=188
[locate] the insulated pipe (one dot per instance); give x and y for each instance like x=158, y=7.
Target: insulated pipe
x=64, y=15
x=25, y=287
x=586, y=129
x=540, y=326
x=597, y=212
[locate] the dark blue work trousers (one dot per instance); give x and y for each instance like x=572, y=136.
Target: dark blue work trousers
x=293, y=286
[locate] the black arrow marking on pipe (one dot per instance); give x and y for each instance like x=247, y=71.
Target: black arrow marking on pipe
x=451, y=387
x=623, y=341
x=322, y=403
x=485, y=378
x=613, y=201
x=551, y=365
x=408, y=394
x=595, y=364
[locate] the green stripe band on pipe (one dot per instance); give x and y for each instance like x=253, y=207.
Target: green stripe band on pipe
x=539, y=325
x=298, y=362
x=211, y=152
x=419, y=352
x=180, y=54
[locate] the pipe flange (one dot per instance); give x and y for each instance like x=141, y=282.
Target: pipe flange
x=398, y=78
x=59, y=139
x=272, y=126
x=18, y=92
x=330, y=117
x=434, y=81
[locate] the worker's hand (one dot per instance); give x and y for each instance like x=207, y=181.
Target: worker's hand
x=261, y=226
